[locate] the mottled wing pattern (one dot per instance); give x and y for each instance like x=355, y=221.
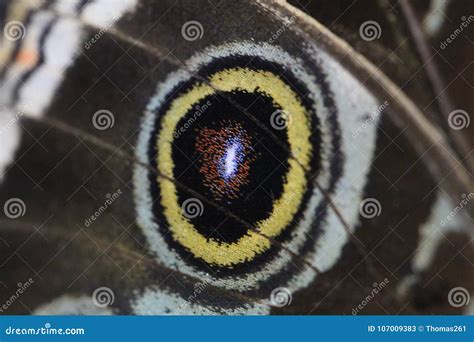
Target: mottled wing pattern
x=216, y=157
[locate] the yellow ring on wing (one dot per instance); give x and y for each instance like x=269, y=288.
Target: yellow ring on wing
x=284, y=208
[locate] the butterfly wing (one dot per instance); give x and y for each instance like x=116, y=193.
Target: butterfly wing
x=95, y=222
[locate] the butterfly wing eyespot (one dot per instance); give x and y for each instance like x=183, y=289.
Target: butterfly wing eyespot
x=248, y=86
x=199, y=109
x=208, y=129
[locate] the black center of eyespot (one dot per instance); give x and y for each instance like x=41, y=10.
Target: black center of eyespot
x=227, y=156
